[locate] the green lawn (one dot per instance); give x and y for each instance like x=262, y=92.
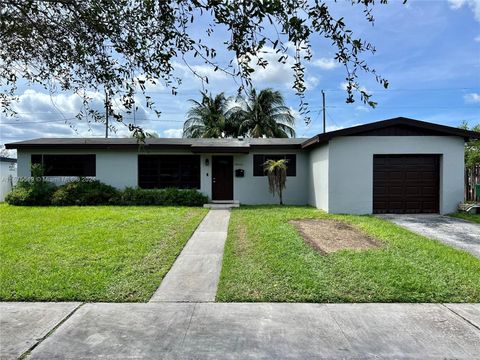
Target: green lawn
x=109, y=253
x=266, y=260
x=470, y=217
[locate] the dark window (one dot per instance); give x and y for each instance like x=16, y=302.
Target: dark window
x=259, y=160
x=164, y=171
x=66, y=165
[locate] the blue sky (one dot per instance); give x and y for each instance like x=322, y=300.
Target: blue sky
x=428, y=50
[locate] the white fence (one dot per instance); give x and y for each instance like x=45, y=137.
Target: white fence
x=8, y=177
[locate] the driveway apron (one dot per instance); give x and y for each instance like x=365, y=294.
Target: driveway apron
x=195, y=274
x=456, y=232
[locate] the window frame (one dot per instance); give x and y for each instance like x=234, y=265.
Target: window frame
x=193, y=183
x=89, y=165
x=291, y=170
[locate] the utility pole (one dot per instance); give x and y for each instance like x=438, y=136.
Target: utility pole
x=106, y=114
x=324, y=113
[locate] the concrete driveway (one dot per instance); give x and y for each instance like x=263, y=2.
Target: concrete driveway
x=452, y=231
x=241, y=331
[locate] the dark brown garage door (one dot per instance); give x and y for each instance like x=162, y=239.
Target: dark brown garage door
x=405, y=184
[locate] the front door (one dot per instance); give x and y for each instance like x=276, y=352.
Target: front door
x=222, y=178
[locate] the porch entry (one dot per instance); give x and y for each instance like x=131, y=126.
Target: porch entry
x=222, y=177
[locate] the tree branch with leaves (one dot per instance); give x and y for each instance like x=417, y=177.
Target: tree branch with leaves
x=117, y=46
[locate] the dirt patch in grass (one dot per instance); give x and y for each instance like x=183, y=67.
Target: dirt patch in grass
x=328, y=236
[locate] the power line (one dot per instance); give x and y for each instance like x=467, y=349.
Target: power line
x=67, y=119
x=413, y=89
x=35, y=122
x=403, y=107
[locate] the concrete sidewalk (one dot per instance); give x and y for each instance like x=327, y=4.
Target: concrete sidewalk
x=195, y=274
x=24, y=325
x=451, y=231
x=261, y=331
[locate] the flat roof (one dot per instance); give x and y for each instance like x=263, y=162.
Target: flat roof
x=7, y=159
x=195, y=145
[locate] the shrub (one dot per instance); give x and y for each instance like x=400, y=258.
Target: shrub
x=37, y=191
x=31, y=192
x=166, y=197
x=85, y=192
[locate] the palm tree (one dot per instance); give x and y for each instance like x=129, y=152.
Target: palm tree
x=277, y=176
x=208, y=119
x=263, y=114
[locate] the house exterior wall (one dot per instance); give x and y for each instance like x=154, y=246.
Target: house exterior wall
x=23, y=163
x=254, y=189
x=319, y=177
x=336, y=177
x=113, y=167
x=351, y=168
x=119, y=168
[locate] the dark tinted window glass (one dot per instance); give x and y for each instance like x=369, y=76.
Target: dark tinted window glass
x=164, y=171
x=37, y=159
x=259, y=160
x=66, y=165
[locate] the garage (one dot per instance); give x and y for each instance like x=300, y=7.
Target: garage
x=406, y=184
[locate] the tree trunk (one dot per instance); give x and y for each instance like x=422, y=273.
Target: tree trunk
x=281, y=197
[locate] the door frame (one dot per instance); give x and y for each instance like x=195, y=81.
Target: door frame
x=214, y=181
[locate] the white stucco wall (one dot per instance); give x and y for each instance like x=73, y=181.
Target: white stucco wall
x=351, y=168
x=119, y=168
x=254, y=189
x=23, y=163
x=319, y=177
x=113, y=167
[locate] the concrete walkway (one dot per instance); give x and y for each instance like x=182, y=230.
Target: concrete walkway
x=248, y=331
x=194, y=275
x=452, y=231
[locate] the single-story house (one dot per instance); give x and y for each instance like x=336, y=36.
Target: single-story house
x=398, y=165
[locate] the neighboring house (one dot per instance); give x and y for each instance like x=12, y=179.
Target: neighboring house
x=398, y=165
x=8, y=175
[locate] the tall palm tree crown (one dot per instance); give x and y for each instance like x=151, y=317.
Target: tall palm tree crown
x=263, y=114
x=207, y=118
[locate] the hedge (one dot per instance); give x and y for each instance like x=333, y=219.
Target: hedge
x=93, y=192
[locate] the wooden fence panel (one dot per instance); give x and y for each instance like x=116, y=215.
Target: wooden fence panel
x=472, y=177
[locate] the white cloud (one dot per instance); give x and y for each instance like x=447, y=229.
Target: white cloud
x=173, y=133
x=40, y=114
x=473, y=4
x=363, y=108
x=31, y=104
x=472, y=98
x=277, y=73
x=325, y=63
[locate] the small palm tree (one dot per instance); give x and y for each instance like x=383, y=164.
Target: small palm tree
x=263, y=114
x=277, y=176
x=207, y=118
